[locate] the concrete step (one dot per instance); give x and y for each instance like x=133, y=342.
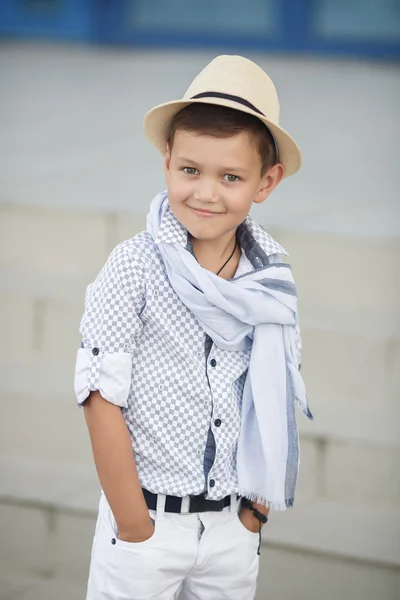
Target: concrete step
x=343, y=272
x=332, y=270
x=351, y=359
x=54, y=241
x=350, y=411
x=47, y=518
x=283, y=574
x=38, y=402
x=51, y=425
x=46, y=422
x=352, y=381
x=19, y=586
x=30, y=287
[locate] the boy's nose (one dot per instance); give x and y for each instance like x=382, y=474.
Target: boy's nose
x=207, y=192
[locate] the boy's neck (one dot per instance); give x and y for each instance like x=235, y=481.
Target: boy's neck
x=212, y=254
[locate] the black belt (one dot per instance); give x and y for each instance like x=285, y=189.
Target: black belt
x=197, y=503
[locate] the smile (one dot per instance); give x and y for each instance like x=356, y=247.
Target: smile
x=204, y=213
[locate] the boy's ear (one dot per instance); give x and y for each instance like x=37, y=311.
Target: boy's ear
x=167, y=161
x=269, y=182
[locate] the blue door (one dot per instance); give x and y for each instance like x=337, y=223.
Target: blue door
x=66, y=19
x=355, y=27
x=351, y=27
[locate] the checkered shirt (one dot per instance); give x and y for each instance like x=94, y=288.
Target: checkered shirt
x=146, y=352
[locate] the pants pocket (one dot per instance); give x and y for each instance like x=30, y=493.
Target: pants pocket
x=131, y=571
x=114, y=532
x=244, y=530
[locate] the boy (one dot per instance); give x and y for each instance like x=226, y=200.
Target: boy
x=188, y=369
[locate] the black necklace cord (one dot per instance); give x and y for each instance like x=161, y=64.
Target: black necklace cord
x=224, y=265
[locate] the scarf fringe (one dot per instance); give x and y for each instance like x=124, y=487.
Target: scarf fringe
x=304, y=408
x=254, y=497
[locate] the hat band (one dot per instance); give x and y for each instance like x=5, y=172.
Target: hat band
x=227, y=97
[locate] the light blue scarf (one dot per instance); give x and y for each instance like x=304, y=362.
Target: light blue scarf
x=259, y=311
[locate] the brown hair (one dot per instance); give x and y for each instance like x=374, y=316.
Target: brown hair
x=222, y=121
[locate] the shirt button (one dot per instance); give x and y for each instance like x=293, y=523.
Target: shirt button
x=95, y=351
x=213, y=362
x=212, y=482
x=113, y=541
x=217, y=422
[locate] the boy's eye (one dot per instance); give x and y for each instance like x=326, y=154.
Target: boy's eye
x=190, y=170
x=231, y=178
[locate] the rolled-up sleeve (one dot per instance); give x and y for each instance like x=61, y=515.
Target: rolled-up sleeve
x=111, y=327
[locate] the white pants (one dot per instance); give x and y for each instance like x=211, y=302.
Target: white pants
x=199, y=556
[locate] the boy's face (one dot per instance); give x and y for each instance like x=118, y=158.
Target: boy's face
x=212, y=182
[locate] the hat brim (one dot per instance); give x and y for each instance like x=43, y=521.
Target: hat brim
x=156, y=123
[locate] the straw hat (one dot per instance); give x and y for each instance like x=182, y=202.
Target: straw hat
x=238, y=83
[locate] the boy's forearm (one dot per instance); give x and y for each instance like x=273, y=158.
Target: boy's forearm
x=115, y=464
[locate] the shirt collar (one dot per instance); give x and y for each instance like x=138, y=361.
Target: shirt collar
x=255, y=241
x=171, y=231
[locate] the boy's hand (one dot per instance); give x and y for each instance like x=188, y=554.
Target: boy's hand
x=248, y=520
x=138, y=534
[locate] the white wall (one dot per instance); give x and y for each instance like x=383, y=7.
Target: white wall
x=72, y=136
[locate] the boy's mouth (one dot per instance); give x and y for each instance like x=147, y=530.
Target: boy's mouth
x=205, y=213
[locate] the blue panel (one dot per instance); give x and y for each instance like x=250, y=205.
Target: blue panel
x=361, y=20
x=69, y=19
x=346, y=27
x=208, y=17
